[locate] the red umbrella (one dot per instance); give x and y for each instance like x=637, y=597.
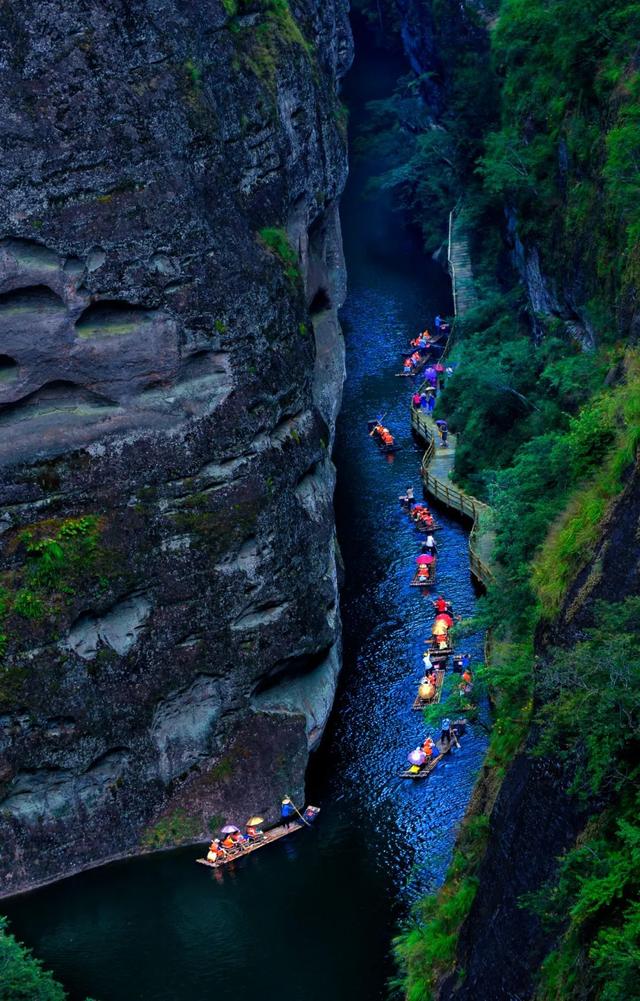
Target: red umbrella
x=439, y=367
x=444, y=617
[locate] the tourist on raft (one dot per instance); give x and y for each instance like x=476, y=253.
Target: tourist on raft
x=430, y=749
x=216, y=851
x=441, y=605
x=424, y=560
x=422, y=515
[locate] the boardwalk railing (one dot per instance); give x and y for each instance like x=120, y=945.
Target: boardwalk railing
x=452, y=497
x=451, y=268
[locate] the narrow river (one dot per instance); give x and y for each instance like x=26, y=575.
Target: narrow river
x=312, y=917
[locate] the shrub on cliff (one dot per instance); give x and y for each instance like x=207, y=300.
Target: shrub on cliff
x=22, y=977
x=277, y=241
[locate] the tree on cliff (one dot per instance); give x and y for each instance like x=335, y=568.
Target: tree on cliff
x=22, y=977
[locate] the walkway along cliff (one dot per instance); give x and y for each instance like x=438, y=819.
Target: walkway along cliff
x=171, y=368
x=438, y=462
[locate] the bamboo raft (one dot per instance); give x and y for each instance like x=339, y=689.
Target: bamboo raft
x=422, y=703
x=458, y=727
x=423, y=348
x=423, y=771
x=423, y=528
x=385, y=449
x=275, y=834
x=419, y=580
x=440, y=651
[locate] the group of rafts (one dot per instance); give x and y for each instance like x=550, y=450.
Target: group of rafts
x=426, y=757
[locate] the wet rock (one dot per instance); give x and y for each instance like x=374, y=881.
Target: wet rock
x=166, y=373
x=118, y=628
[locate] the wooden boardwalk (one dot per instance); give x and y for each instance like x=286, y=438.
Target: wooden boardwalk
x=436, y=470
x=462, y=283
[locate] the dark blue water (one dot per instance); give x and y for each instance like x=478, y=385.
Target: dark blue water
x=313, y=916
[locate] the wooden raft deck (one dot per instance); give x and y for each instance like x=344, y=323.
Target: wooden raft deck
x=275, y=834
x=423, y=703
x=426, y=770
x=420, y=580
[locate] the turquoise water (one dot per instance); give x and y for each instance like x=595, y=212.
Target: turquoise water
x=313, y=915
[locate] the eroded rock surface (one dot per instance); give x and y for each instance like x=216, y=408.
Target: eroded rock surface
x=169, y=381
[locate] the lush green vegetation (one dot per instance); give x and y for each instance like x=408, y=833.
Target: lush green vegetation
x=51, y=562
x=566, y=154
x=22, y=977
x=261, y=43
x=591, y=718
x=547, y=430
x=58, y=558
x=278, y=242
x=175, y=829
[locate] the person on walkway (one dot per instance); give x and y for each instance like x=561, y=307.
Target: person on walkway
x=443, y=428
x=431, y=403
x=417, y=400
x=438, y=322
x=287, y=812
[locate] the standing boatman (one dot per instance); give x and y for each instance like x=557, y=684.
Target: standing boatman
x=287, y=811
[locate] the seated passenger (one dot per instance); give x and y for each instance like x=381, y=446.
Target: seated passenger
x=430, y=748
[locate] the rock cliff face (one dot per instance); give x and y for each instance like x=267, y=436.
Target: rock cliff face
x=534, y=820
x=170, y=371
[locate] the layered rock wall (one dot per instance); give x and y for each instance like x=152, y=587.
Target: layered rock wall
x=170, y=372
